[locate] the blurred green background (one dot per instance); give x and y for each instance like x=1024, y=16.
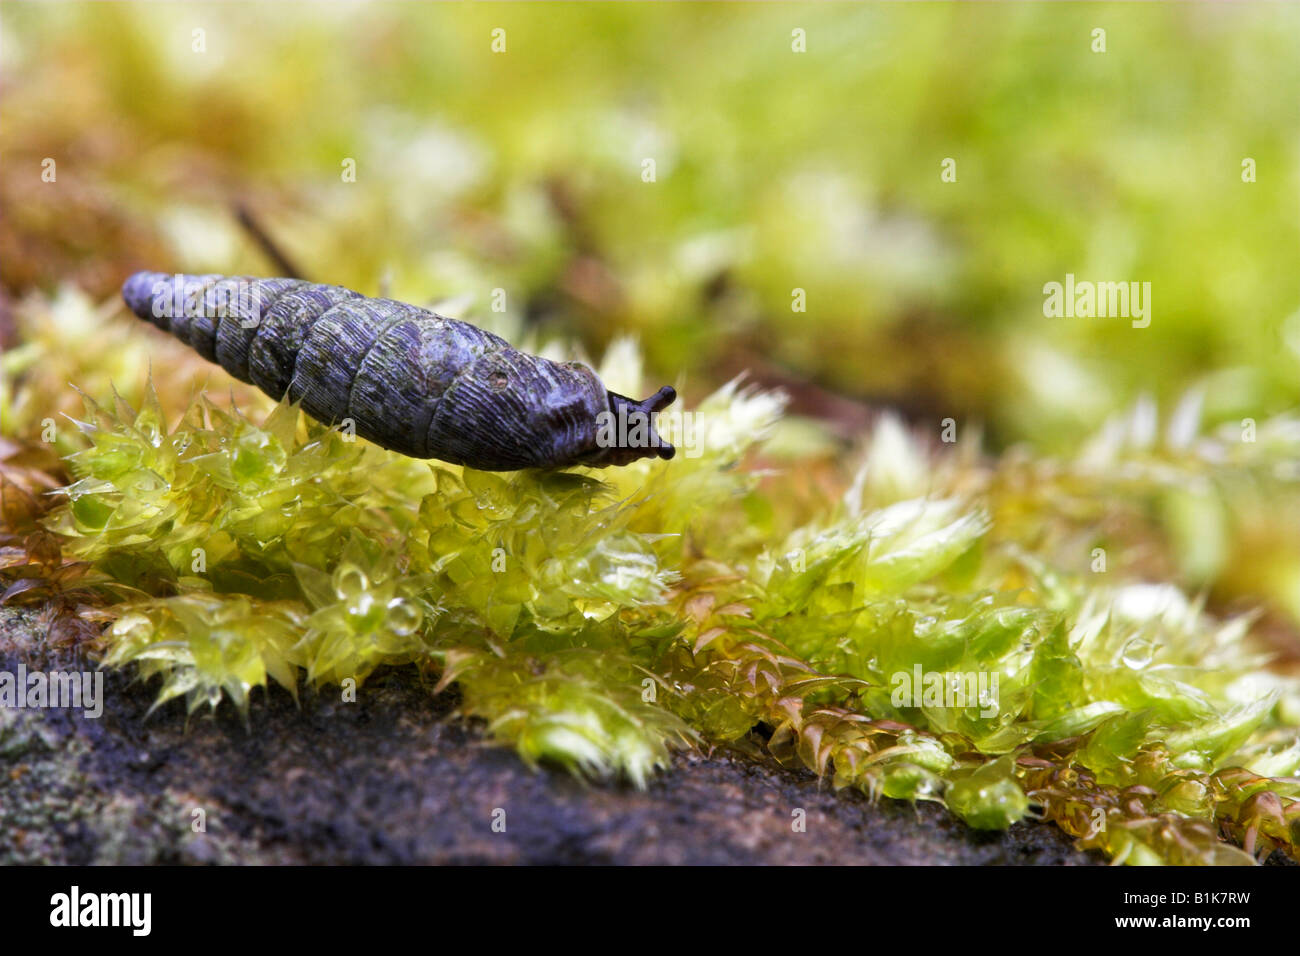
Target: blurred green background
x=775, y=170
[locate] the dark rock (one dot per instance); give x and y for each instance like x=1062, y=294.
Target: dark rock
x=394, y=778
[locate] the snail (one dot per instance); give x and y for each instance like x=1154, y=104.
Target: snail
x=408, y=379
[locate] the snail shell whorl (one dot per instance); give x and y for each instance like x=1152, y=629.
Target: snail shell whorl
x=410, y=380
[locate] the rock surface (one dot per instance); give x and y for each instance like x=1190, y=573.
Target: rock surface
x=395, y=778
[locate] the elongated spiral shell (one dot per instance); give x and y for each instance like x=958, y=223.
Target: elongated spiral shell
x=408, y=379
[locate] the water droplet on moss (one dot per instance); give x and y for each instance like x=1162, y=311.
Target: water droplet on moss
x=1138, y=653
x=350, y=583
x=403, y=617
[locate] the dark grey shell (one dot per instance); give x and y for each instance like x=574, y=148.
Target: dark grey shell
x=408, y=379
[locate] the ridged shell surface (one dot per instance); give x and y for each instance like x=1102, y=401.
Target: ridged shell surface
x=407, y=378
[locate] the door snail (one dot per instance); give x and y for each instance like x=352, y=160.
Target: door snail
x=408, y=379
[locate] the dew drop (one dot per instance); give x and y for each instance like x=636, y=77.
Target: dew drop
x=1138, y=653
x=351, y=583
x=403, y=618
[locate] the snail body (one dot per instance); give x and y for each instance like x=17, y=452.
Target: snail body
x=408, y=379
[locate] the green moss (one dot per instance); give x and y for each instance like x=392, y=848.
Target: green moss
x=989, y=798
x=596, y=621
